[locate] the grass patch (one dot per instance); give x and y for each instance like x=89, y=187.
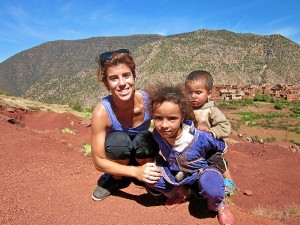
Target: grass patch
x=87, y=150
x=244, y=113
x=68, y=131
x=289, y=212
x=263, y=103
x=296, y=141
x=27, y=104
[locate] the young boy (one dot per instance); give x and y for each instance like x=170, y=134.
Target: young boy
x=209, y=118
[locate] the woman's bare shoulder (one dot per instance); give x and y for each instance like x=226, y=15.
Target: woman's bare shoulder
x=100, y=114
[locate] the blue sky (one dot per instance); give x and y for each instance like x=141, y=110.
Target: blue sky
x=28, y=23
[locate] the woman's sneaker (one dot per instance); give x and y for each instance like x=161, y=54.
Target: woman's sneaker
x=106, y=186
x=177, y=196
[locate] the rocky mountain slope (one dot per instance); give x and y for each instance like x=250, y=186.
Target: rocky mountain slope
x=61, y=71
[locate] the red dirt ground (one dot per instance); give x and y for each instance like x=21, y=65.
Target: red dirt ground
x=45, y=179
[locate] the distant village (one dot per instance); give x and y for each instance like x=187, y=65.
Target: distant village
x=236, y=92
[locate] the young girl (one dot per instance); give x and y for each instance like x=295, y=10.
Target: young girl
x=182, y=160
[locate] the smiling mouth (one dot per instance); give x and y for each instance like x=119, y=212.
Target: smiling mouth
x=124, y=91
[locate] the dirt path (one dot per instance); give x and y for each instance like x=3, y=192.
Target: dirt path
x=45, y=179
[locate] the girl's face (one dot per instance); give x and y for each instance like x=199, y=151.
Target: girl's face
x=167, y=119
x=198, y=95
x=120, y=81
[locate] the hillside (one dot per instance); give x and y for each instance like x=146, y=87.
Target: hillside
x=46, y=179
x=62, y=71
x=60, y=58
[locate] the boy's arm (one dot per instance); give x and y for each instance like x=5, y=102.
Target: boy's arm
x=217, y=145
x=220, y=126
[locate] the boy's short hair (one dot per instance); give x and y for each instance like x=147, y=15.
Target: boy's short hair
x=201, y=75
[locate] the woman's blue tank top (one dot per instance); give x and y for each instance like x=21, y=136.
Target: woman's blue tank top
x=115, y=124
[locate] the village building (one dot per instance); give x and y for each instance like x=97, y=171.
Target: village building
x=235, y=92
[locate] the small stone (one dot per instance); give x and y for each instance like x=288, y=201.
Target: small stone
x=248, y=192
x=86, y=122
x=10, y=110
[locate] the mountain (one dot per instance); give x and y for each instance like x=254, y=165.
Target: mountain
x=61, y=71
x=60, y=58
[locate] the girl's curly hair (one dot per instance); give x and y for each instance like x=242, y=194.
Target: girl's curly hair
x=160, y=92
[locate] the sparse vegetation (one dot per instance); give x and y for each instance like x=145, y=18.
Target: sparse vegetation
x=280, y=104
x=68, y=69
x=262, y=98
x=5, y=93
x=287, y=213
x=296, y=141
x=272, y=119
x=87, y=150
x=76, y=105
x=68, y=131
x=296, y=109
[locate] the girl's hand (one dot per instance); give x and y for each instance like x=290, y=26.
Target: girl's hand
x=149, y=173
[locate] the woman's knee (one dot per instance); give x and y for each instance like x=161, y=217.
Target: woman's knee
x=118, y=146
x=145, y=146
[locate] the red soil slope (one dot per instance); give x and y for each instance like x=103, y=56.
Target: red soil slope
x=45, y=179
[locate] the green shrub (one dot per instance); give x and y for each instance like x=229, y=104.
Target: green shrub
x=296, y=130
x=68, y=131
x=87, y=150
x=279, y=105
x=76, y=105
x=89, y=109
x=222, y=105
x=262, y=98
x=5, y=93
x=296, y=109
x=247, y=102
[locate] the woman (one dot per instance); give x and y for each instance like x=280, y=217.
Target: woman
x=120, y=123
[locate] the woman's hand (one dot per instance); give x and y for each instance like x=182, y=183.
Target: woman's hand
x=148, y=173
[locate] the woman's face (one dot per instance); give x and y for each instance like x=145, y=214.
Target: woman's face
x=120, y=81
x=167, y=119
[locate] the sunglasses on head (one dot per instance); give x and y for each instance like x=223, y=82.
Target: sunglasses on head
x=108, y=55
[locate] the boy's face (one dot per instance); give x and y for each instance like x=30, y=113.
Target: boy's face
x=197, y=92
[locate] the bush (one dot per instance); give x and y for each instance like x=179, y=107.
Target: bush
x=296, y=108
x=247, y=102
x=76, y=105
x=5, y=93
x=89, y=109
x=262, y=98
x=279, y=105
x=223, y=105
